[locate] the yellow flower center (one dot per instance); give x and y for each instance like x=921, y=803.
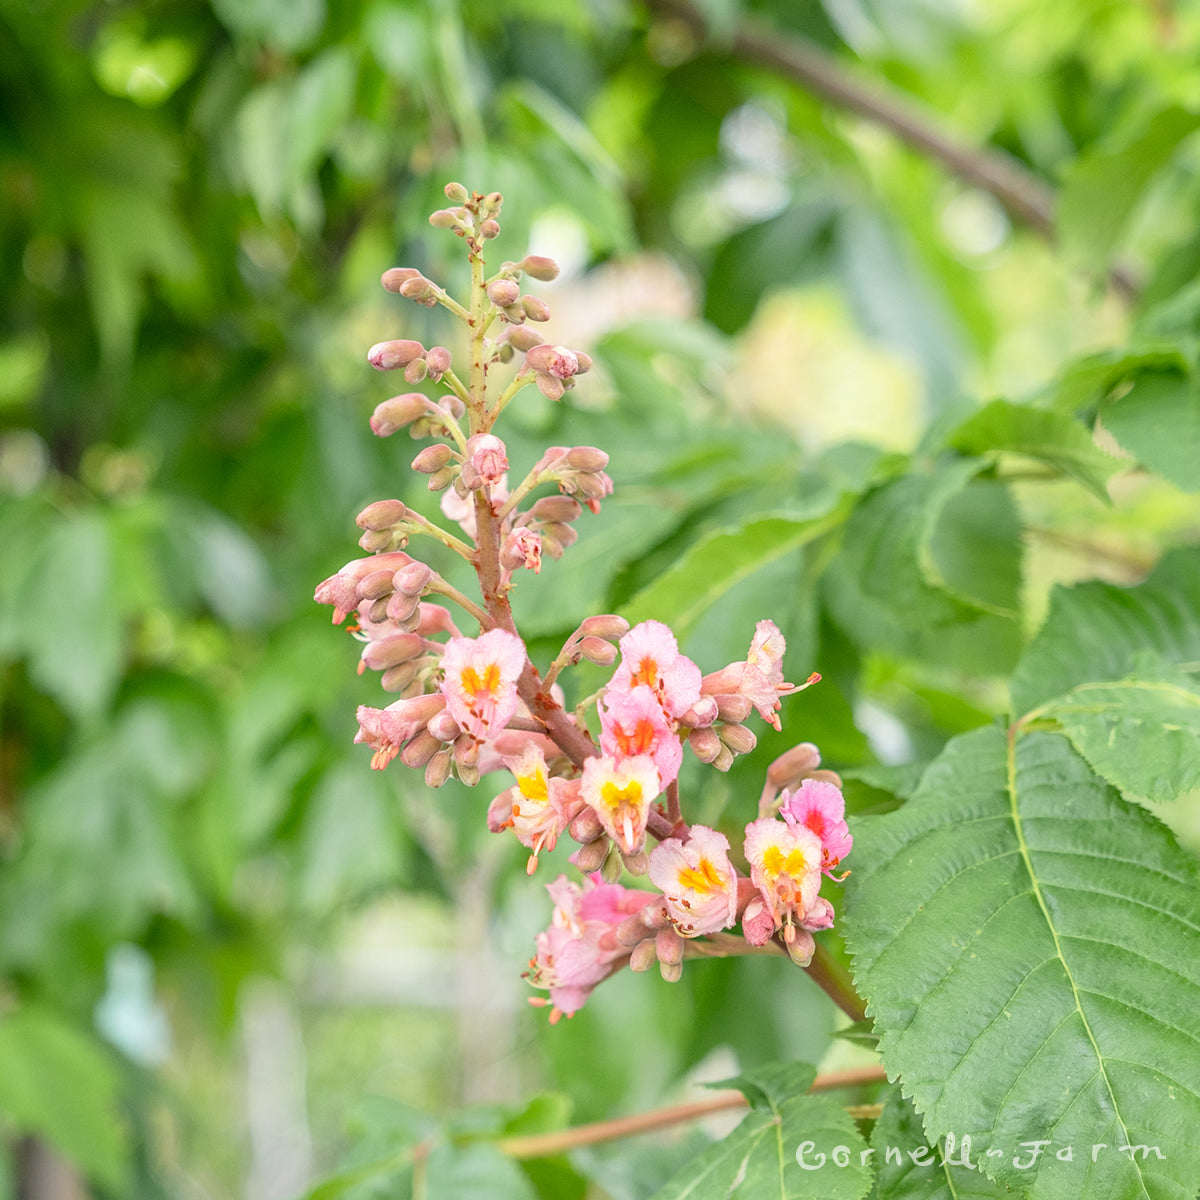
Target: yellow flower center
x=534, y=787
x=777, y=864
x=647, y=672
x=614, y=795
x=703, y=878
x=487, y=686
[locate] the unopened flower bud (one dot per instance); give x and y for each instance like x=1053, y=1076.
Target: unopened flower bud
x=668, y=946
x=399, y=352
x=564, y=535
x=611, y=867
x=705, y=744
x=535, y=309
x=437, y=769
x=394, y=277
x=643, y=956
x=403, y=609
x=485, y=462
x=417, y=287
x=826, y=777
x=724, y=759
x=413, y=579
x=440, y=480
x=397, y=412
x=437, y=359
x=456, y=193
x=383, y=514
x=553, y=360
x=550, y=387
x=596, y=650
x=448, y=218
x=637, y=863
x=503, y=292
x=374, y=585
x=416, y=371
x=586, y=826
x=523, y=338
x=738, y=738
x=491, y=203
x=375, y=540
x=793, y=765
x=420, y=750
x=490, y=229
x=391, y=651
x=432, y=458
x=563, y=510
x=376, y=610
x=504, y=353
x=586, y=458
x=733, y=706
x=634, y=928
x=443, y=727
x=589, y=857
x=397, y=678
x=702, y=714
x=584, y=361
x=468, y=773
x=466, y=752
x=538, y=267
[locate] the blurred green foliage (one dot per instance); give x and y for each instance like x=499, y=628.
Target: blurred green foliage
x=195, y=203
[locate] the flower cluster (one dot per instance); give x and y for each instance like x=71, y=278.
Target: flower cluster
x=606, y=774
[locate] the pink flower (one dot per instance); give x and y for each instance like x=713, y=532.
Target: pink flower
x=485, y=462
x=759, y=679
x=697, y=881
x=387, y=730
x=620, y=794
x=785, y=866
x=821, y=807
x=522, y=548
x=538, y=807
x=580, y=949
x=650, y=657
x=480, y=681
x=633, y=723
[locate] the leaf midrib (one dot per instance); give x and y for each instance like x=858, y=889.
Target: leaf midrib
x=1023, y=847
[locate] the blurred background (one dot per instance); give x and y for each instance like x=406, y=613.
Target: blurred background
x=231, y=956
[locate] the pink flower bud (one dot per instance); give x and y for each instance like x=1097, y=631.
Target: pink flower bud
x=793, y=765
x=562, y=510
x=444, y=727
x=503, y=292
x=388, y=356
x=437, y=769
x=738, y=738
x=394, y=277
x=669, y=946
x=432, y=458
x=448, y=218
x=553, y=360
x=413, y=579
x=535, y=309
x=732, y=706
x=539, y=267
x=456, y=193
x=724, y=759
x=402, y=609
x=702, y=714
x=589, y=857
x=584, y=361
x=586, y=826
x=564, y=535
x=383, y=514
x=392, y=651
x=397, y=678
x=643, y=956
x=417, y=287
x=437, y=359
x=420, y=750
x=705, y=744
x=523, y=338
x=587, y=458
x=440, y=480
x=490, y=229
x=374, y=585
x=486, y=460
x=597, y=650
x=397, y=412
x=611, y=868
x=550, y=387
x=375, y=540
x=416, y=371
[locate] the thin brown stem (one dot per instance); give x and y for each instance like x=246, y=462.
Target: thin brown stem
x=834, y=980
x=544, y=1145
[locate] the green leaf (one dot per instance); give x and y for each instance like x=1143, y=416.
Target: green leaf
x=1141, y=734
x=1158, y=421
x=1021, y=991
x=715, y=564
x=908, y=1168
x=791, y=1146
x=1052, y=437
x=1096, y=631
x=60, y=1084
x=478, y=1169
x=1094, y=376
x=1103, y=187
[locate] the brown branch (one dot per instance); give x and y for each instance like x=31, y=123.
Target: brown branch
x=1026, y=197
x=543, y=1145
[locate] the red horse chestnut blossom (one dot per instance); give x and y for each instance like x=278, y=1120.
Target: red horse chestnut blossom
x=607, y=772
